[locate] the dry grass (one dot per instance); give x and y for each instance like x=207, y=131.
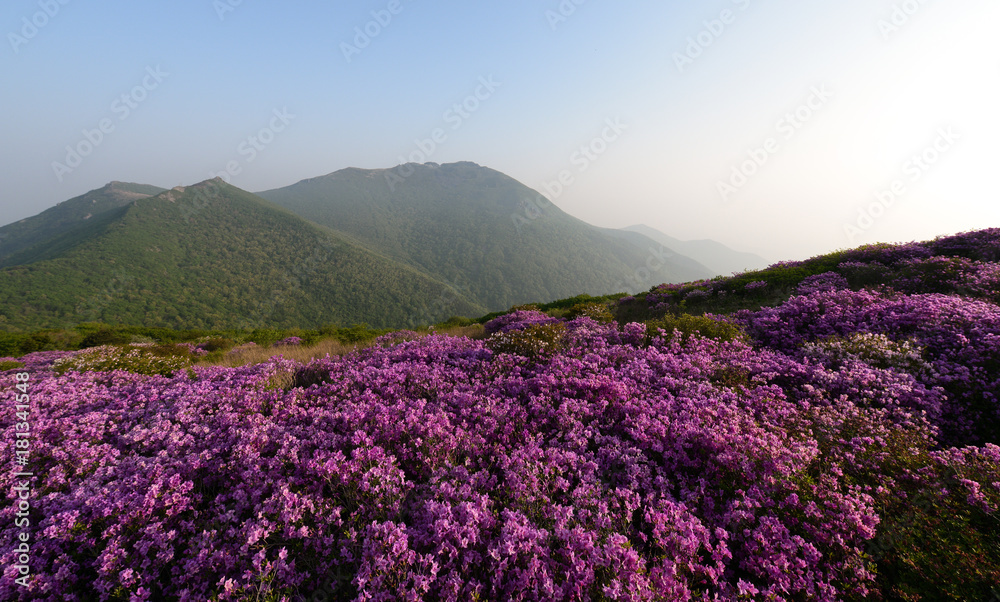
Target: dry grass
x=304, y=354
x=474, y=331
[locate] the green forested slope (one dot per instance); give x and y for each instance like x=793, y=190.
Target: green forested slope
x=483, y=231
x=214, y=256
x=25, y=240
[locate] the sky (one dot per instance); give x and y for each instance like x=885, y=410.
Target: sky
x=781, y=127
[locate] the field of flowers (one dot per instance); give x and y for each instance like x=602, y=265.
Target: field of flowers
x=838, y=446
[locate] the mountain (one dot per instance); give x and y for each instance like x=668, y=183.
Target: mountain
x=720, y=259
x=211, y=256
x=493, y=238
x=56, y=225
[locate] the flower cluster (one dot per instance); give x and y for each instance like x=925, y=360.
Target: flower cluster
x=621, y=467
x=827, y=281
x=958, y=338
x=517, y=320
x=140, y=358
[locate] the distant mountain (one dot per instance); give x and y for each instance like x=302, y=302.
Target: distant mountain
x=495, y=239
x=720, y=259
x=209, y=256
x=53, y=226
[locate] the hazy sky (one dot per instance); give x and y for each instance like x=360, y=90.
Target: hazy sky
x=771, y=126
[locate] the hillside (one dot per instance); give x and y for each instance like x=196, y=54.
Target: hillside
x=54, y=225
x=839, y=444
x=214, y=256
x=717, y=257
x=484, y=232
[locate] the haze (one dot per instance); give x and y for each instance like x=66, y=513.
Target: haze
x=783, y=128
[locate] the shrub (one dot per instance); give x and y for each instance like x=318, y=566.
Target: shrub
x=457, y=321
x=139, y=359
x=934, y=274
x=359, y=333
x=707, y=326
x=860, y=274
x=940, y=534
x=317, y=372
x=876, y=350
x=266, y=336
x=392, y=338
x=10, y=364
x=827, y=281
x=517, y=320
x=104, y=336
x=535, y=341
x=216, y=344
x=596, y=311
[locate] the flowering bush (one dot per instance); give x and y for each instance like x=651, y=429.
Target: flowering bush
x=827, y=281
x=456, y=470
x=192, y=349
x=860, y=274
x=518, y=320
x=396, y=337
x=876, y=350
x=597, y=311
x=140, y=358
x=533, y=340
x=288, y=342
x=959, y=338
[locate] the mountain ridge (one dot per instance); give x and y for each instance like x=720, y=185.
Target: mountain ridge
x=718, y=257
x=51, y=224
x=476, y=226
x=214, y=256
x=479, y=239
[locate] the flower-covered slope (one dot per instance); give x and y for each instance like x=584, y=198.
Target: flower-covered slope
x=845, y=450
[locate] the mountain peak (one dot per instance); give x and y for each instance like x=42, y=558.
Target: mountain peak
x=480, y=229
